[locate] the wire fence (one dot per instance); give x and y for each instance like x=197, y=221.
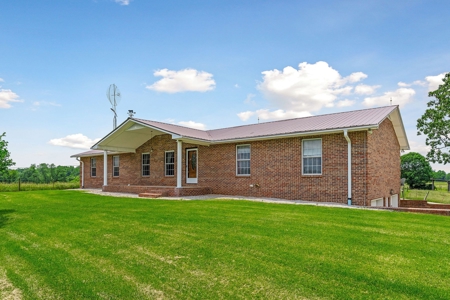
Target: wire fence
x=19, y=186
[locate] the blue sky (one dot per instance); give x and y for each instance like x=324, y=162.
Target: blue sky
x=209, y=64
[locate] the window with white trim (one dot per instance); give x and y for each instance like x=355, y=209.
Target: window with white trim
x=169, y=163
x=115, y=166
x=93, y=166
x=145, y=164
x=312, y=157
x=243, y=160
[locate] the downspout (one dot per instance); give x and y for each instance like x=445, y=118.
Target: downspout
x=82, y=172
x=349, y=168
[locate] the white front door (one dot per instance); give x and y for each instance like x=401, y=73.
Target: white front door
x=191, y=166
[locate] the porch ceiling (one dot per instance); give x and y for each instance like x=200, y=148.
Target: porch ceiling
x=127, y=138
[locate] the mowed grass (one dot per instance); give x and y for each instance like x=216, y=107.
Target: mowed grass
x=72, y=245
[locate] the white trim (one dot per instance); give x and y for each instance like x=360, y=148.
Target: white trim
x=105, y=168
x=116, y=149
x=165, y=163
x=349, y=167
x=250, y=160
x=142, y=164
x=321, y=157
x=179, y=158
x=191, y=180
x=118, y=165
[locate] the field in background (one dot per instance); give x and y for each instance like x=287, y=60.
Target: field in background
x=14, y=187
x=439, y=195
x=72, y=245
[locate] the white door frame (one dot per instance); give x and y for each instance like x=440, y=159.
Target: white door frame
x=191, y=180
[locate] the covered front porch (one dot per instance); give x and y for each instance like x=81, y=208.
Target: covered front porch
x=171, y=159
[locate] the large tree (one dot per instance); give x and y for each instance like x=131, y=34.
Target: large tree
x=435, y=123
x=415, y=169
x=5, y=160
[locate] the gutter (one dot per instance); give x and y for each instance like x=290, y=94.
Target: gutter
x=349, y=168
x=82, y=171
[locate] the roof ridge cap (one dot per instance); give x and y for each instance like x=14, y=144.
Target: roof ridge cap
x=284, y=120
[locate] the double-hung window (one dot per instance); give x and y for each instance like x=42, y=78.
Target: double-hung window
x=169, y=165
x=312, y=157
x=145, y=164
x=243, y=160
x=115, y=166
x=93, y=166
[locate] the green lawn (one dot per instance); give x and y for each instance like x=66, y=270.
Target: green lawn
x=71, y=245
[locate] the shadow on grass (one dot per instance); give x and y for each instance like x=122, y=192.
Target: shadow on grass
x=4, y=216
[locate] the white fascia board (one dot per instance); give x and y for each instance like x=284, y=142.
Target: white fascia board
x=116, y=149
x=193, y=141
x=86, y=155
x=296, y=134
x=398, y=127
x=153, y=127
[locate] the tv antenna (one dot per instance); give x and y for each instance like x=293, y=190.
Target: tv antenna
x=114, y=96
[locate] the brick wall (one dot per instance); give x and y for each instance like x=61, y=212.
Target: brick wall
x=383, y=166
x=275, y=167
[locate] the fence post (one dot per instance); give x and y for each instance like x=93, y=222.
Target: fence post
x=19, y=184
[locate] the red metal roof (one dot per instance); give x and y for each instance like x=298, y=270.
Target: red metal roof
x=350, y=119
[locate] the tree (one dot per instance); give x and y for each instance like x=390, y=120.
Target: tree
x=439, y=175
x=5, y=160
x=435, y=123
x=416, y=169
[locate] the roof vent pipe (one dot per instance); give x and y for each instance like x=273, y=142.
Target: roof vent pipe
x=349, y=168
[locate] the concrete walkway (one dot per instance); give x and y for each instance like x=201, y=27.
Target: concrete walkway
x=227, y=197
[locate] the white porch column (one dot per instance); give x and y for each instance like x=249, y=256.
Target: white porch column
x=179, y=153
x=105, y=168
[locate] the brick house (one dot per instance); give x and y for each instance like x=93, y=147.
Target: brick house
x=349, y=157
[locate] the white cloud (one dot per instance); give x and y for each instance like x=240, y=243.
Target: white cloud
x=345, y=103
x=192, y=124
x=245, y=115
x=1, y=80
x=400, y=97
x=434, y=81
x=7, y=97
x=418, y=147
x=307, y=89
x=236, y=86
x=249, y=99
x=123, y=2
x=45, y=103
x=78, y=141
x=417, y=82
x=182, y=81
x=355, y=77
x=363, y=89
x=265, y=114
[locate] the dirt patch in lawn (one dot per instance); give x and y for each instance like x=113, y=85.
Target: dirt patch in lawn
x=7, y=290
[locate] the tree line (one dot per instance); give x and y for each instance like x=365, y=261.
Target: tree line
x=41, y=173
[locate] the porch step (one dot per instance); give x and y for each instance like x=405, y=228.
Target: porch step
x=150, y=195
